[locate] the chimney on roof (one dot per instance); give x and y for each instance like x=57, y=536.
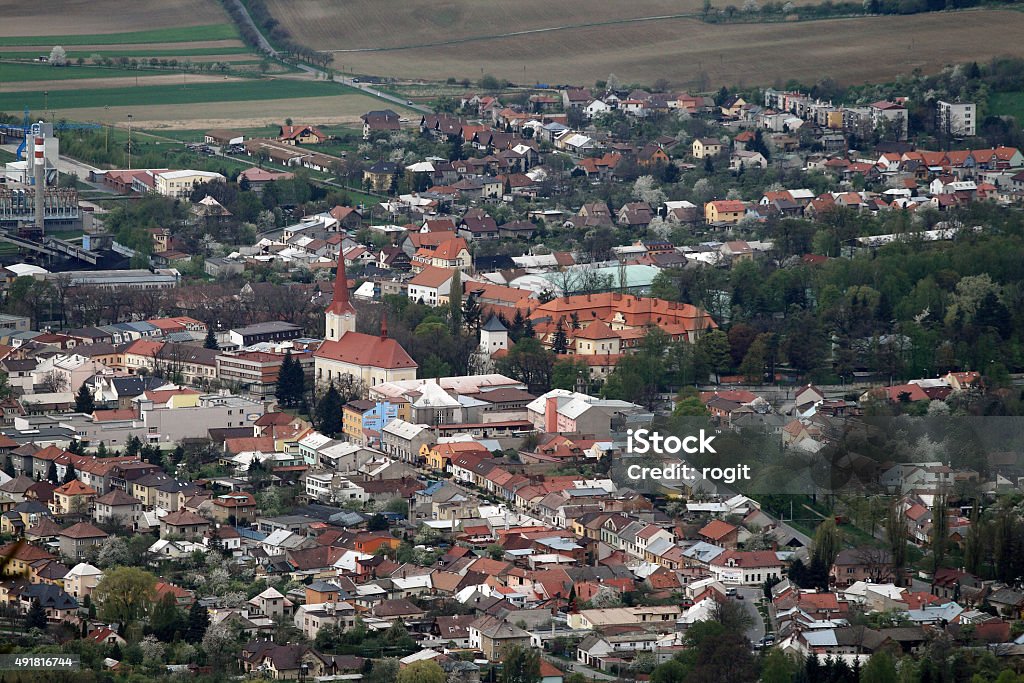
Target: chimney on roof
x=384, y=326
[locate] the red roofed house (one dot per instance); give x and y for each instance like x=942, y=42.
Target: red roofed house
x=77, y=539
x=720, y=533
x=729, y=211
x=750, y=567
x=301, y=135
x=73, y=497
x=183, y=524
x=368, y=358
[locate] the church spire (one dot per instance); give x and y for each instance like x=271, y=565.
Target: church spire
x=340, y=305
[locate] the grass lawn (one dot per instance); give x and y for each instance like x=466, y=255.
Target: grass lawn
x=165, y=35
x=1008, y=104
x=229, y=91
x=43, y=72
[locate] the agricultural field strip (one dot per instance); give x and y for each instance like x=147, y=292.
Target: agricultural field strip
x=164, y=35
x=219, y=91
x=513, y=34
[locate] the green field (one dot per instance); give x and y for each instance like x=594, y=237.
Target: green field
x=41, y=72
x=1008, y=104
x=167, y=35
x=229, y=91
x=114, y=52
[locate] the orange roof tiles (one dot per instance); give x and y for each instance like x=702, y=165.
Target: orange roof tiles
x=716, y=530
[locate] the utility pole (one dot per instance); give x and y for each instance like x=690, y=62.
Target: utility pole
x=129, y=142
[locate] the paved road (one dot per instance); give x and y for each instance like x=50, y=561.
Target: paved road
x=750, y=597
x=69, y=166
x=367, y=88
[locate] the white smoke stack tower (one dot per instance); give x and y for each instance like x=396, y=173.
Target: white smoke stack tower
x=39, y=179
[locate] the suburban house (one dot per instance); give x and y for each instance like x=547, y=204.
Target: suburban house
x=300, y=135
x=724, y=211
x=379, y=121
x=704, y=148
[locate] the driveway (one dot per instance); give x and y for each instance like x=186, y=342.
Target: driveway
x=576, y=667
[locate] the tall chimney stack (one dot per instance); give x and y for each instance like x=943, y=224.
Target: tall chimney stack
x=39, y=175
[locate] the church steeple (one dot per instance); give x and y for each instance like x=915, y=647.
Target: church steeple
x=340, y=316
x=340, y=303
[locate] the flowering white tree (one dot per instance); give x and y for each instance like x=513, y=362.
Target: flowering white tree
x=646, y=190
x=58, y=56
x=152, y=650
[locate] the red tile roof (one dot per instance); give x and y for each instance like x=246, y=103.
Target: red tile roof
x=361, y=349
x=716, y=530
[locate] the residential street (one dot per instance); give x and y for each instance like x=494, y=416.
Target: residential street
x=750, y=597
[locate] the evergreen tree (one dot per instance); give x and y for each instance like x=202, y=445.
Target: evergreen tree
x=574, y=319
x=69, y=473
x=880, y=669
x=84, y=402
x=528, y=331
x=51, y=473
x=198, y=622
x=166, y=619
x=515, y=331
x=211, y=339
x=134, y=446
x=288, y=394
x=455, y=303
x=328, y=412
x=36, y=616
x=455, y=152
x=9, y=467
x=472, y=313
x=758, y=145
x=560, y=343
x=101, y=450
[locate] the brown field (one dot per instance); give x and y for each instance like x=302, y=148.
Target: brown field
x=344, y=109
x=680, y=50
x=82, y=17
x=146, y=78
x=338, y=24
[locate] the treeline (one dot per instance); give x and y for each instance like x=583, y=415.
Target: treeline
x=909, y=309
x=751, y=10
x=274, y=32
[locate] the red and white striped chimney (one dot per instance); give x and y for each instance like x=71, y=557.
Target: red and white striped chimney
x=39, y=180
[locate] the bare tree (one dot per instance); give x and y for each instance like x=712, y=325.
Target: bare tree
x=54, y=382
x=878, y=562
